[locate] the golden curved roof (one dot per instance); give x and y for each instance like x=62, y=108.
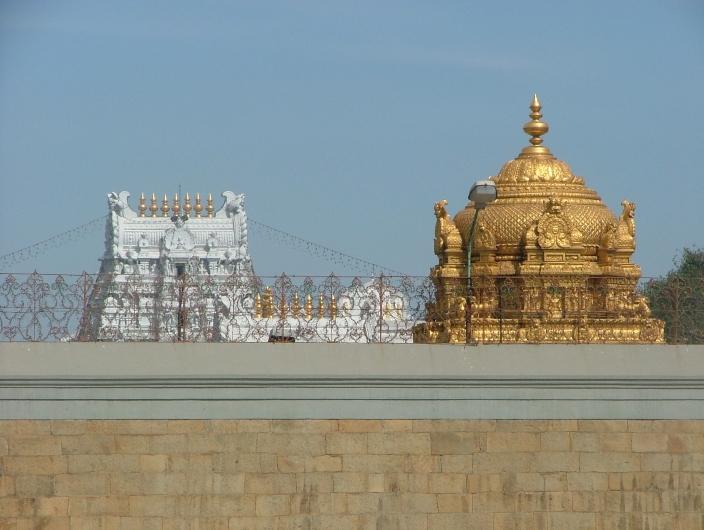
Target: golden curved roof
x=524, y=186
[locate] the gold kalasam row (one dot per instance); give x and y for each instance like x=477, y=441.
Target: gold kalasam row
x=264, y=307
x=176, y=208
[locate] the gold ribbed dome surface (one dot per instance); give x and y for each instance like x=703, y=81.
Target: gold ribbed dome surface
x=525, y=184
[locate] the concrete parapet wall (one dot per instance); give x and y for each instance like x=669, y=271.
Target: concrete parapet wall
x=318, y=381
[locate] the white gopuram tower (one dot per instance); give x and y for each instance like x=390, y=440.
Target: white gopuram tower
x=170, y=271
x=182, y=272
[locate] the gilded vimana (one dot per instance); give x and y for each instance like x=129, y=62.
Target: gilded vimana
x=549, y=261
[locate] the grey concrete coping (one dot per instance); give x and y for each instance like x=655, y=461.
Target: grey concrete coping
x=165, y=380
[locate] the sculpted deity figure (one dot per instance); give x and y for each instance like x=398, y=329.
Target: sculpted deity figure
x=622, y=233
x=628, y=217
x=119, y=205
x=447, y=237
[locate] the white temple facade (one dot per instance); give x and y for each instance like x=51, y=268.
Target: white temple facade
x=182, y=272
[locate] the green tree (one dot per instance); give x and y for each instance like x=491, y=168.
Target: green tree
x=678, y=298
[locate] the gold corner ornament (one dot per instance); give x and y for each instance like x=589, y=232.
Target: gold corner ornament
x=550, y=262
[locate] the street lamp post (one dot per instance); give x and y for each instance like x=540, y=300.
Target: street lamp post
x=481, y=193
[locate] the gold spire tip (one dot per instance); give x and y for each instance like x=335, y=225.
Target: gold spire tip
x=535, y=128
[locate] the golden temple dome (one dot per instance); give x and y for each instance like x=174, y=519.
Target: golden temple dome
x=524, y=186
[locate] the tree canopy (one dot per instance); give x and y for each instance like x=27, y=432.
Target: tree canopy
x=678, y=298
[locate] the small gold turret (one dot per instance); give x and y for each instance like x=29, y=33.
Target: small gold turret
x=536, y=129
x=308, y=309
x=177, y=205
x=199, y=206
x=267, y=303
x=295, y=306
x=210, y=205
x=321, y=307
x=333, y=307
x=187, y=205
x=142, y=205
x=258, y=306
x=165, y=206
x=154, y=208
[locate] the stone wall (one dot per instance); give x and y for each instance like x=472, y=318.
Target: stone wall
x=352, y=474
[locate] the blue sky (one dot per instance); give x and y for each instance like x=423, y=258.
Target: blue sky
x=343, y=122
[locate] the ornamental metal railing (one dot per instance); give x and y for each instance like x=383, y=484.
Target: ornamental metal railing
x=380, y=309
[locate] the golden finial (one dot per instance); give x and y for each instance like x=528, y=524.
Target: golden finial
x=154, y=208
x=165, y=206
x=536, y=129
x=142, y=205
x=187, y=205
x=267, y=303
x=258, y=306
x=308, y=309
x=177, y=205
x=199, y=206
x=321, y=306
x=295, y=305
x=210, y=205
x=333, y=307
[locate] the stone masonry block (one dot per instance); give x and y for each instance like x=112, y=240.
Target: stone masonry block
x=84, y=484
x=360, y=426
x=34, y=445
x=447, y=483
x=572, y=521
x=87, y=444
x=512, y=441
x=444, y=443
x=303, y=426
x=34, y=465
x=459, y=521
x=398, y=443
x=606, y=462
x=587, y=481
x=374, y=463
x=291, y=444
x=270, y=483
x=7, y=486
x=324, y=463
x=341, y=443
x=454, y=503
x=650, y=442
x=350, y=482
x=456, y=463
x=267, y=505
x=34, y=486
x=555, y=441
x=97, y=463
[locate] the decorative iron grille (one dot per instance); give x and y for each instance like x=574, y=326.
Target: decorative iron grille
x=237, y=308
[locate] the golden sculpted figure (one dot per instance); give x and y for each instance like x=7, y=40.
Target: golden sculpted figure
x=549, y=261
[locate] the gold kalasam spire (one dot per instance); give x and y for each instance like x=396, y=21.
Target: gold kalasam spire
x=154, y=208
x=187, y=205
x=333, y=307
x=210, y=205
x=308, y=308
x=536, y=129
x=165, y=206
x=295, y=306
x=142, y=205
x=321, y=307
x=199, y=206
x=258, y=306
x=177, y=205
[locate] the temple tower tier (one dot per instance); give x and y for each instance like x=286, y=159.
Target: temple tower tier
x=549, y=261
